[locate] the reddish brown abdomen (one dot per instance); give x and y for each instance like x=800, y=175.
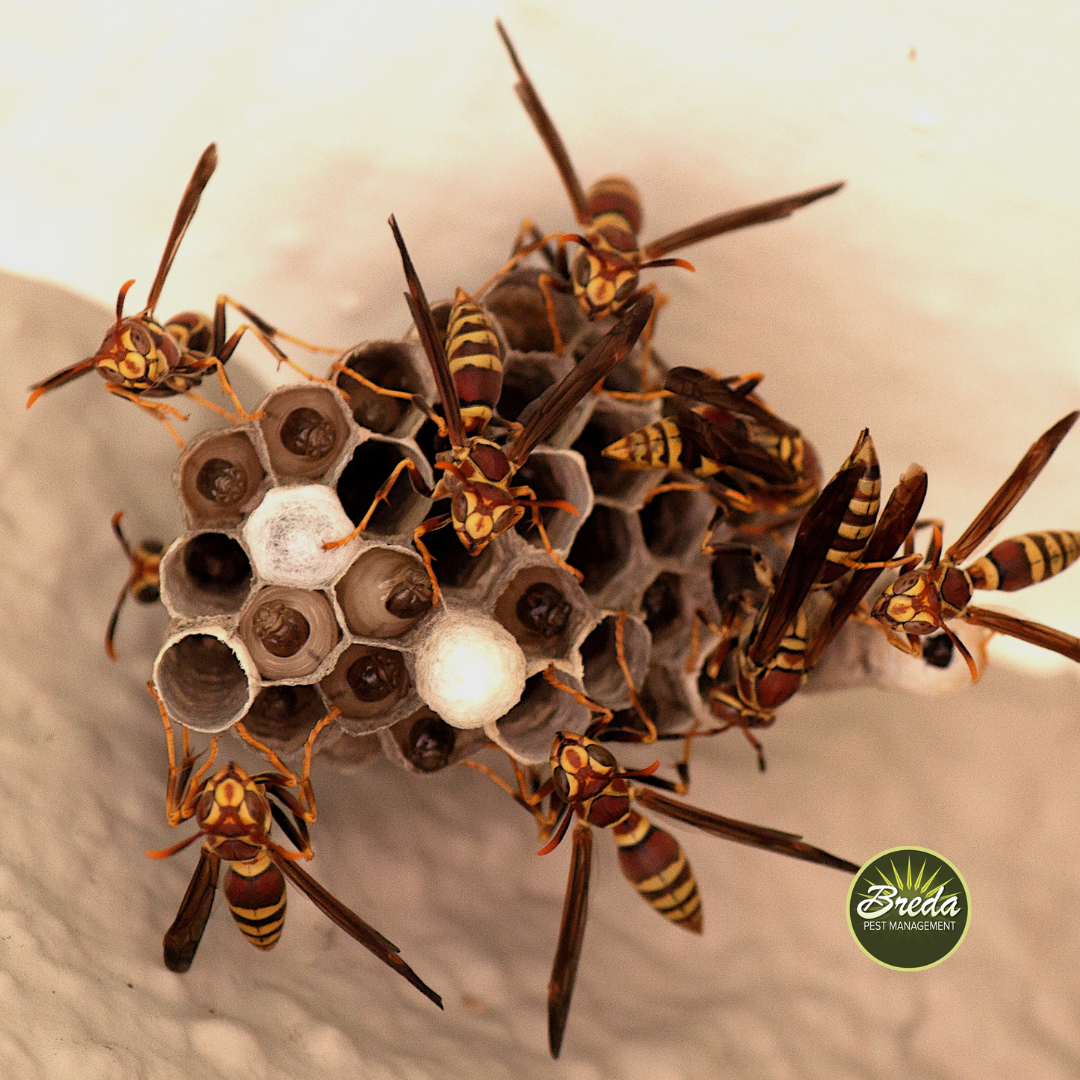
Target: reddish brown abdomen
x=615, y=194
x=475, y=358
x=1025, y=560
x=255, y=892
x=656, y=866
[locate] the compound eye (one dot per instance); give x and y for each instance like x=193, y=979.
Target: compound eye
x=626, y=289
x=582, y=270
x=459, y=507
x=140, y=339
x=602, y=756
x=560, y=783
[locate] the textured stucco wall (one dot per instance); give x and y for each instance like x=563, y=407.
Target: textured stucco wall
x=934, y=301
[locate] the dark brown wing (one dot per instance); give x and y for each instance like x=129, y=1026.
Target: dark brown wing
x=736, y=219
x=1012, y=491
x=896, y=521
x=1046, y=637
x=351, y=923
x=546, y=129
x=732, y=448
x=188, y=205
x=433, y=343
x=571, y=934
x=183, y=937
x=783, y=843
x=691, y=383
x=586, y=373
x=817, y=531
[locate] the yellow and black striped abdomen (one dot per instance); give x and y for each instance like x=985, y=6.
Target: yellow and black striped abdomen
x=660, y=445
x=859, y=518
x=656, y=866
x=255, y=892
x=1024, y=560
x=475, y=358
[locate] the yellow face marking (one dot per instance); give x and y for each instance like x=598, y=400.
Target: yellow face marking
x=229, y=793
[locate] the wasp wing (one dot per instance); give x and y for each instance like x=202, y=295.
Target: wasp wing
x=351, y=923
x=189, y=203
x=183, y=937
x=432, y=341
x=571, y=934
x=732, y=448
x=547, y=132
x=815, y=536
x=592, y=368
x=700, y=386
x=896, y=521
x=737, y=219
x=1012, y=491
x=1046, y=637
x=783, y=843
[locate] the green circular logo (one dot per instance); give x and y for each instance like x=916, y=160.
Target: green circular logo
x=908, y=908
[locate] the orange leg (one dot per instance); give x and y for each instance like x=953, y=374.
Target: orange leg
x=305, y=807
x=157, y=409
x=183, y=789
x=423, y=528
x=546, y=281
x=620, y=655
x=594, y=707
x=520, y=252
x=538, y=521
x=381, y=496
x=262, y=324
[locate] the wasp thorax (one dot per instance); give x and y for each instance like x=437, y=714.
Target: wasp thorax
x=221, y=481
x=307, y=434
x=281, y=629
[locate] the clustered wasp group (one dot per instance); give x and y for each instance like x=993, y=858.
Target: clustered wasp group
x=810, y=559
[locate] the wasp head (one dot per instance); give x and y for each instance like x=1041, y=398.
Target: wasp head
x=580, y=766
x=911, y=604
x=232, y=804
x=603, y=283
x=136, y=352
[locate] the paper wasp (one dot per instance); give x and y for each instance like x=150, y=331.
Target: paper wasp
x=144, y=581
x=234, y=812
x=758, y=467
x=478, y=473
x=142, y=359
x=604, y=274
x=922, y=601
x=586, y=780
x=775, y=646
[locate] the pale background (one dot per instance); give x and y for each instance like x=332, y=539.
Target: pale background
x=934, y=300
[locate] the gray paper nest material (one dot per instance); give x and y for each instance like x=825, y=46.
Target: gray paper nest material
x=443, y=867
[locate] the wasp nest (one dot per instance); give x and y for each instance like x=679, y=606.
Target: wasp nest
x=270, y=627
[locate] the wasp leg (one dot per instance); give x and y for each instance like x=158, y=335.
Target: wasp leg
x=595, y=707
x=381, y=496
x=547, y=283
x=425, y=527
x=183, y=790
x=635, y=700
x=259, y=322
x=157, y=409
x=538, y=521
x=520, y=252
